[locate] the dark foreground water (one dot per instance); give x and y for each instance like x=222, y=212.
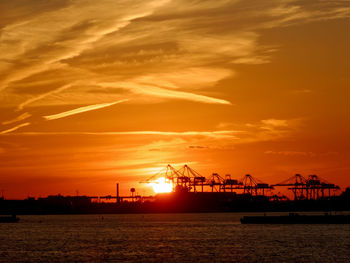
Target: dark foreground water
x=168, y=238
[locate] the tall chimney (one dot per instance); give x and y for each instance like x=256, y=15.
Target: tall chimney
x=118, y=199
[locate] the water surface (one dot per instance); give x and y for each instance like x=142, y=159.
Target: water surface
x=168, y=238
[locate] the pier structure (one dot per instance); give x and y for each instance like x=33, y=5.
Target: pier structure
x=311, y=188
x=187, y=179
x=133, y=197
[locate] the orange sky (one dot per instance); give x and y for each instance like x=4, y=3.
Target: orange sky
x=98, y=92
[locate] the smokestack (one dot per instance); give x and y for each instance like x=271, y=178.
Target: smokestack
x=118, y=199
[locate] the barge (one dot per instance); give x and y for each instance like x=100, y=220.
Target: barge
x=295, y=218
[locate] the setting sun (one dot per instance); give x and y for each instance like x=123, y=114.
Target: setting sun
x=161, y=185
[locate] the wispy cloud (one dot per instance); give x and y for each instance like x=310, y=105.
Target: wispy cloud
x=99, y=41
x=43, y=95
x=301, y=153
x=212, y=134
x=155, y=50
x=36, y=33
x=154, y=91
x=301, y=91
x=81, y=110
x=21, y=117
x=15, y=128
x=271, y=124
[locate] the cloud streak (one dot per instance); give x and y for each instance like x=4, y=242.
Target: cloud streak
x=43, y=96
x=15, y=128
x=81, y=110
x=154, y=50
x=154, y=91
x=211, y=134
x=21, y=117
x=64, y=20
x=100, y=42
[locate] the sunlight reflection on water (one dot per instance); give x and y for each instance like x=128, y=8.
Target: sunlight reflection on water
x=168, y=238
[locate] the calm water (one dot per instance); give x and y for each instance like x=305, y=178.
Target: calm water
x=168, y=238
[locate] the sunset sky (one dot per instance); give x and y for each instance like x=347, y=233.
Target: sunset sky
x=98, y=92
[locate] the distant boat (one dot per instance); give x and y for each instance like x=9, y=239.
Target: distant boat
x=294, y=218
x=9, y=219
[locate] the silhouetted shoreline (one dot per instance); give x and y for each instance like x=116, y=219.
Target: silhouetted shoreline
x=187, y=202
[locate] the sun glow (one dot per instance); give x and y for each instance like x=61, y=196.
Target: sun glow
x=161, y=185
